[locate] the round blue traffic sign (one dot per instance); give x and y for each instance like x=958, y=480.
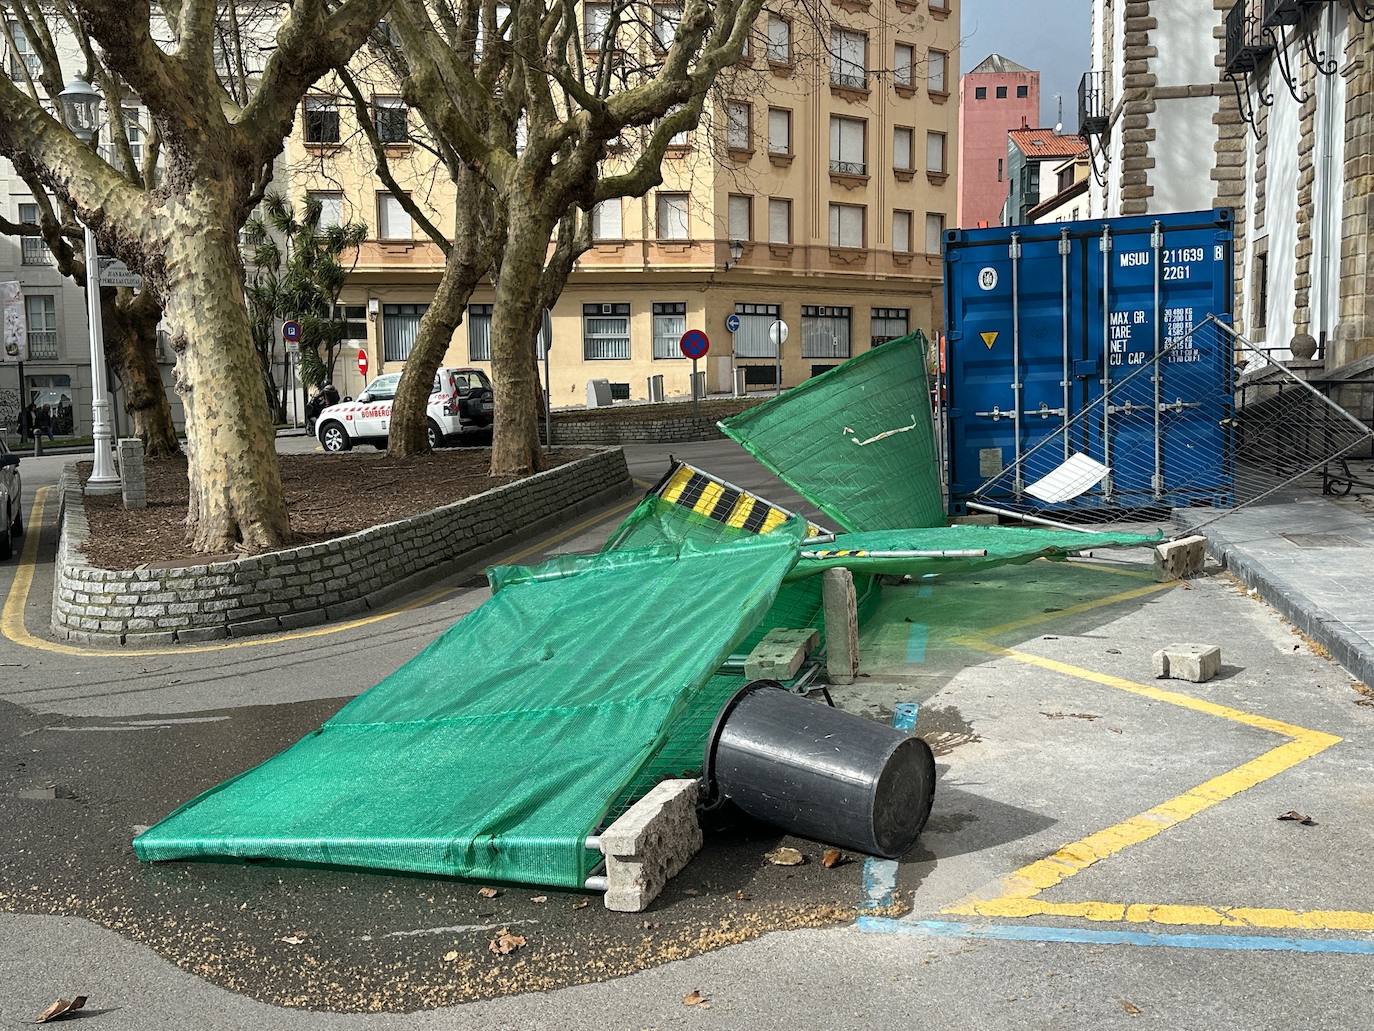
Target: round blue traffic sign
x=291, y=331
x=732, y=322
x=694, y=344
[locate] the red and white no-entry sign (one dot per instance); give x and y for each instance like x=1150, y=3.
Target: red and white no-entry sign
x=362, y=361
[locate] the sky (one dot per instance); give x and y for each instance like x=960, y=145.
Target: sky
x=1048, y=36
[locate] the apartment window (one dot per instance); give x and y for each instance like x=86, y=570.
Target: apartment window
x=672, y=217
x=393, y=221
x=1022, y=92
x=751, y=339
x=479, y=332
x=391, y=117
x=331, y=208
x=738, y=119
x=901, y=148
x=935, y=152
x=670, y=322
x=606, y=332
x=352, y=319
x=606, y=223
x=846, y=225
x=1261, y=316
x=848, y=58
x=321, y=120
x=597, y=19
x=779, y=130
x=936, y=60
x=847, y=145
x=400, y=326
x=779, y=220
x=741, y=217
x=825, y=331
x=999, y=169
x=1001, y=93
x=503, y=22
x=680, y=139
x=41, y=311
x=888, y=324
x=903, y=58
x=980, y=93
x=935, y=232
x=22, y=57
x=33, y=249
x=901, y=232
x=133, y=132
x=779, y=40
x=667, y=17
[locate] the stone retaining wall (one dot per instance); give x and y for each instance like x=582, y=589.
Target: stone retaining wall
x=315, y=583
x=628, y=426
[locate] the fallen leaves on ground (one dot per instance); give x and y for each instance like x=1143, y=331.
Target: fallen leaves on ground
x=695, y=998
x=833, y=857
x=489, y=893
x=583, y=904
x=294, y=939
x=450, y=956
x=1296, y=817
x=1071, y=715
x=505, y=943
x=539, y=899
x=60, y=1008
x=743, y=896
x=1130, y=1007
x=785, y=857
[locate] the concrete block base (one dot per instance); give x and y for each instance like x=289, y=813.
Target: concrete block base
x=1196, y=663
x=974, y=519
x=780, y=654
x=1177, y=560
x=841, y=626
x=650, y=844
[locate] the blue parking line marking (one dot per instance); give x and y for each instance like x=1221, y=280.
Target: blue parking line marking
x=1095, y=936
x=916, y=643
x=880, y=875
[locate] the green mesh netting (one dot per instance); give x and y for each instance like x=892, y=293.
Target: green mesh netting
x=499, y=748
x=858, y=442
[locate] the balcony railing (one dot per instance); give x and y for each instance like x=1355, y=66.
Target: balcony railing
x=1093, y=104
x=35, y=251
x=1283, y=12
x=1246, y=44
x=848, y=167
x=42, y=345
x=850, y=80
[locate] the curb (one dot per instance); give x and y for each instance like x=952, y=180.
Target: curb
x=1346, y=647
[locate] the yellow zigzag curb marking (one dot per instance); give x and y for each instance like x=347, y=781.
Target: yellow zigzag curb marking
x=1019, y=890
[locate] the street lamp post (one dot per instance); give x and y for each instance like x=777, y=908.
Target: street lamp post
x=81, y=104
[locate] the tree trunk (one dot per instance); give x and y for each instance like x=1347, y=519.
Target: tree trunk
x=514, y=324
x=131, y=350
x=236, y=500
x=409, y=418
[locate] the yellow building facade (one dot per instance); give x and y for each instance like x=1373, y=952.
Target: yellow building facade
x=814, y=191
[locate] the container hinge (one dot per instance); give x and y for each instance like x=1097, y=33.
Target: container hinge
x=1014, y=248
x=1106, y=239
x=1065, y=244
x=1157, y=236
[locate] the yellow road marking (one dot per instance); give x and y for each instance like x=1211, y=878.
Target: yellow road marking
x=12, y=615
x=979, y=639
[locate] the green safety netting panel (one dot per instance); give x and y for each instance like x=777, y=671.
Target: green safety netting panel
x=858, y=441
x=499, y=748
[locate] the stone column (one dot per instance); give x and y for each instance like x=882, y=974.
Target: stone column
x=131, y=475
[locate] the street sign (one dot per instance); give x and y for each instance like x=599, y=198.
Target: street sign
x=694, y=344
x=545, y=331
x=732, y=322
x=362, y=361
x=777, y=333
x=291, y=331
x=114, y=272
x=293, y=349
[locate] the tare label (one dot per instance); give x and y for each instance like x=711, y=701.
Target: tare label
x=1121, y=329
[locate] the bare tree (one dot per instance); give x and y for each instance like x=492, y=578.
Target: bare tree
x=217, y=148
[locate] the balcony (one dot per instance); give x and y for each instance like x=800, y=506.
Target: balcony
x=848, y=168
x=1093, y=104
x=849, y=80
x=1246, y=44
x=1284, y=12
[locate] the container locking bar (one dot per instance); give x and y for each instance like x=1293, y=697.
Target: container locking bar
x=1014, y=252
x=1106, y=359
x=1157, y=243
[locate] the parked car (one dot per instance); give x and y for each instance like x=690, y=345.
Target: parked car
x=461, y=401
x=11, y=495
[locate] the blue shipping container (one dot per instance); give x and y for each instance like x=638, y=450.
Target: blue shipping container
x=1058, y=313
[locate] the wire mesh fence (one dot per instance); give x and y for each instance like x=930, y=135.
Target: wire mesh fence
x=1175, y=432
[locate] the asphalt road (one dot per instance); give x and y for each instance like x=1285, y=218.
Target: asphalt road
x=1176, y=898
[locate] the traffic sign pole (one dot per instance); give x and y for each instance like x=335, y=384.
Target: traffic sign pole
x=694, y=345
x=696, y=408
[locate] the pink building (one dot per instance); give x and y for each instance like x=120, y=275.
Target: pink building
x=995, y=97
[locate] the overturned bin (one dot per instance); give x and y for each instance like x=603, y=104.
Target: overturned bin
x=820, y=773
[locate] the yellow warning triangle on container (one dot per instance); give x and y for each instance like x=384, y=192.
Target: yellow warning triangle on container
x=989, y=338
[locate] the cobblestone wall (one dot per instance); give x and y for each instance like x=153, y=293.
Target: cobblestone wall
x=316, y=583
x=572, y=428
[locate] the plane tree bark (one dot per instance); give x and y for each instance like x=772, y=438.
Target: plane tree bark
x=181, y=234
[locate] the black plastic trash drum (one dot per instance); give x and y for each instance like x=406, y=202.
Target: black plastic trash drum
x=820, y=773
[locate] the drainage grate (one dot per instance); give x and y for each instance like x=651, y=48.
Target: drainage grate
x=1323, y=540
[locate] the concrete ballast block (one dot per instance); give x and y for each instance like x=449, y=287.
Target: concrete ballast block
x=1175, y=560
x=780, y=654
x=650, y=844
x=841, y=626
x=1196, y=663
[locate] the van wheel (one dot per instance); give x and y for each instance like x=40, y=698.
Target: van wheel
x=6, y=543
x=17, y=527
x=436, y=439
x=334, y=439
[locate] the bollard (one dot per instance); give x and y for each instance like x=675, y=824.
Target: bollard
x=131, y=475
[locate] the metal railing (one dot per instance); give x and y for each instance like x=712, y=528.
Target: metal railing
x=1246, y=44
x=848, y=167
x=34, y=251
x=1093, y=104
x=42, y=345
x=852, y=80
